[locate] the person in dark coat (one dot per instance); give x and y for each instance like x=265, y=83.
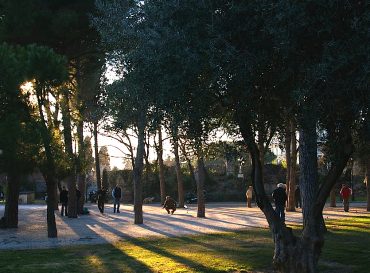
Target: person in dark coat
x=101, y=199
x=170, y=205
x=297, y=197
x=63, y=198
x=280, y=197
x=116, y=194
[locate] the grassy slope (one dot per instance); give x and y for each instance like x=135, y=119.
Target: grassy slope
x=347, y=249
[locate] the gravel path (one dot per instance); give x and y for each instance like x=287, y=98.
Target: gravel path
x=97, y=228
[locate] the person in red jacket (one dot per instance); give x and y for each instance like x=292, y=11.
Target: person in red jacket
x=346, y=193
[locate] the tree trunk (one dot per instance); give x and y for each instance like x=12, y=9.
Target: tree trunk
x=180, y=182
x=367, y=179
x=68, y=145
x=292, y=168
x=81, y=177
x=10, y=219
x=96, y=150
x=162, y=184
x=293, y=254
x=50, y=216
x=72, y=199
x=288, y=157
x=308, y=167
x=138, y=170
x=49, y=173
x=201, y=213
x=333, y=201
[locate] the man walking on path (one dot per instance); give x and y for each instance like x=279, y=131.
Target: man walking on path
x=63, y=197
x=280, y=197
x=249, y=195
x=345, y=192
x=169, y=204
x=116, y=194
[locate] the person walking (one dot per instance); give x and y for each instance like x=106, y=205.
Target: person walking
x=101, y=199
x=170, y=205
x=63, y=198
x=116, y=194
x=345, y=193
x=249, y=195
x=280, y=198
x=297, y=197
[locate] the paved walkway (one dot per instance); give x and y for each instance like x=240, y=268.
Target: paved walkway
x=98, y=228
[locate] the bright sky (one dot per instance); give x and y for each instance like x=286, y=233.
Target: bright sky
x=115, y=149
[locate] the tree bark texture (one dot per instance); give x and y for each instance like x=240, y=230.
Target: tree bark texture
x=333, y=198
x=293, y=166
x=180, y=182
x=308, y=167
x=201, y=213
x=10, y=219
x=97, y=161
x=138, y=170
x=162, y=184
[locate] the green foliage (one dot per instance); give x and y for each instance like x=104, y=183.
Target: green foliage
x=20, y=140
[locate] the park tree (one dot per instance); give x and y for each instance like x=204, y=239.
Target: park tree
x=48, y=71
x=20, y=140
x=63, y=26
x=319, y=85
x=207, y=66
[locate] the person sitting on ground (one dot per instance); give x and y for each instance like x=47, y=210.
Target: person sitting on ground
x=170, y=205
x=280, y=197
x=101, y=199
x=63, y=198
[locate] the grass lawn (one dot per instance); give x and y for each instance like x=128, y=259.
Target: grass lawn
x=347, y=249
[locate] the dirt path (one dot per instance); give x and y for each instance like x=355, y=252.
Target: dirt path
x=96, y=228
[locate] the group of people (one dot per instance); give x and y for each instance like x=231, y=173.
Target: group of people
x=280, y=198
x=63, y=198
x=116, y=194
x=169, y=204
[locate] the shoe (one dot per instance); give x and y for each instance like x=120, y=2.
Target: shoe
x=118, y=211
